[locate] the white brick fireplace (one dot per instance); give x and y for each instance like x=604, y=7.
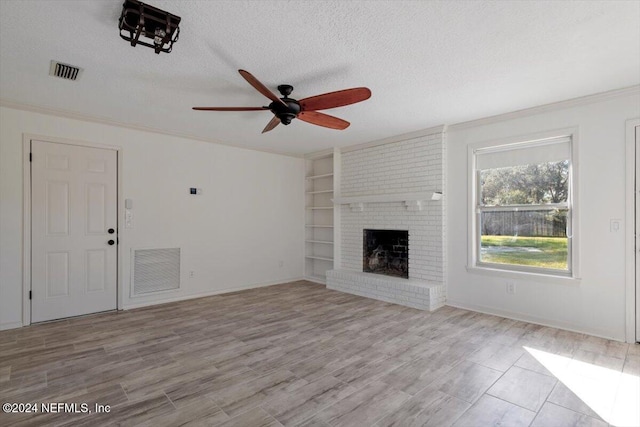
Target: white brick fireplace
x=390, y=187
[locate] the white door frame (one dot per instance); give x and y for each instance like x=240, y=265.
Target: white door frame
x=630, y=254
x=26, y=223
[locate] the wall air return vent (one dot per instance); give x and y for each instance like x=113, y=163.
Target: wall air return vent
x=64, y=71
x=155, y=270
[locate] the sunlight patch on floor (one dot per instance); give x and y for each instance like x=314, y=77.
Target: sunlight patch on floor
x=613, y=395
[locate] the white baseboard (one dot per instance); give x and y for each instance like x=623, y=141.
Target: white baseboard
x=209, y=293
x=11, y=325
x=532, y=319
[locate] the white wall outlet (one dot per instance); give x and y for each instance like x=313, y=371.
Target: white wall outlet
x=511, y=288
x=192, y=274
x=281, y=264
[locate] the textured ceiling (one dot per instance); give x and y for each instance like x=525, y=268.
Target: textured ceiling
x=426, y=62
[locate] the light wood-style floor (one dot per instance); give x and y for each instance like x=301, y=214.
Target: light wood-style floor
x=298, y=354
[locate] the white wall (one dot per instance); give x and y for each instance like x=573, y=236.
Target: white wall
x=248, y=219
x=596, y=303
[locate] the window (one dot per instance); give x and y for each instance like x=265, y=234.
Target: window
x=523, y=207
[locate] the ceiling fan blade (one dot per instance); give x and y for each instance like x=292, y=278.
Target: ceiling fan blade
x=273, y=123
x=324, y=120
x=339, y=98
x=260, y=87
x=230, y=108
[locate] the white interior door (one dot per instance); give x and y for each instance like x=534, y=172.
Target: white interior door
x=73, y=230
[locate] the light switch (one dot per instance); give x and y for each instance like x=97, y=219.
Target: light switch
x=614, y=225
x=128, y=218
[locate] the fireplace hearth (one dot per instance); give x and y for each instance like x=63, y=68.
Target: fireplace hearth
x=386, y=252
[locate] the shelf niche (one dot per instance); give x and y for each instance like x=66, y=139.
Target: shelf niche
x=319, y=218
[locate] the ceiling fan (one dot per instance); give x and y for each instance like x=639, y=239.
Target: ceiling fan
x=286, y=109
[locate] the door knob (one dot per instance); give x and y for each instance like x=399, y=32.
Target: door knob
x=111, y=242
x=111, y=231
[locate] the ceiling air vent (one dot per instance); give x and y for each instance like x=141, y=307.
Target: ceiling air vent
x=64, y=71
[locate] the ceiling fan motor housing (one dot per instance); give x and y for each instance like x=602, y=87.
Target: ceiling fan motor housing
x=285, y=113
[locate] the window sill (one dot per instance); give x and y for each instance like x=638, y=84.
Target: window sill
x=524, y=275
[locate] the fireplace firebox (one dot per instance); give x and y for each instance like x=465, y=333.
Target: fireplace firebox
x=386, y=252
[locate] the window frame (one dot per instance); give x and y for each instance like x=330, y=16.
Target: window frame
x=475, y=210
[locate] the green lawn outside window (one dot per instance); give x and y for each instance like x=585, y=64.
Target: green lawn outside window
x=544, y=252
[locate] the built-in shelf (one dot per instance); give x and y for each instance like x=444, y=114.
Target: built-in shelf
x=319, y=257
x=324, y=175
x=320, y=192
x=319, y=210
x=317, y=278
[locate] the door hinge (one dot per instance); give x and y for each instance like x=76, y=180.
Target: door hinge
x=30, y=157
x=30, y=294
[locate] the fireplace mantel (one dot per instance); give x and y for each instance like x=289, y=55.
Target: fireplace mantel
x=412, y=201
